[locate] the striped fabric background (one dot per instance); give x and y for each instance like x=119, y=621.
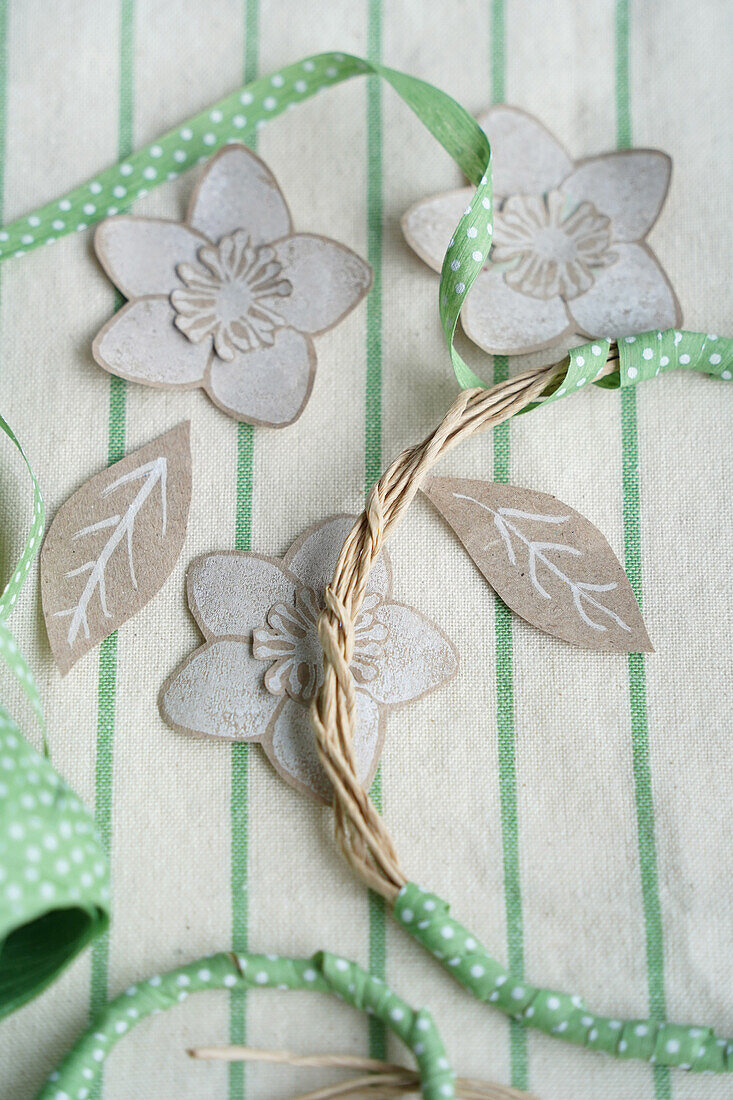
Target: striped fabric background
x=574, y=808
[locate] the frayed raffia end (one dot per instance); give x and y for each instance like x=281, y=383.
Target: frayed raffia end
x=382, y=1079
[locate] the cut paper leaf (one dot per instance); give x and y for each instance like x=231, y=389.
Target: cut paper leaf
x=546, y=561
x=113, y=544
x=228, y=300
x=569, y=256
x=261, y=665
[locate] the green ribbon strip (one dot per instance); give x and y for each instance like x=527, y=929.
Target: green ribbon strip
x=81, y=1070
x=426, y=917
x=642, y=357
x=54, y=889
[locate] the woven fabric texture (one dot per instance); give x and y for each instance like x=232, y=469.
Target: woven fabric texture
x=573, y=807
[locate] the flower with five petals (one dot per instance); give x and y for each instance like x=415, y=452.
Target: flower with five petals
x=569, y=258
x=261, y=664
x=228, y=300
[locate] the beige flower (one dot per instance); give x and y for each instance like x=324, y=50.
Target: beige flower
x=569, y=258
x=261, y=664
x=228, y=300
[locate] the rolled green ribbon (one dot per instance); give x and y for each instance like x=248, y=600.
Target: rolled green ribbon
x=81, y=1070
x=54, y=890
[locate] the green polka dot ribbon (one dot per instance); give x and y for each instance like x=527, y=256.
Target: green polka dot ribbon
x=427, y=918
x=641, y=357
x=81, y=1070
x=54, y=889
x=53, y=877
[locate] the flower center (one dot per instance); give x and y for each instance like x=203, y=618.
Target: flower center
x=290, y=640
x=231, y=295
x=550, y=247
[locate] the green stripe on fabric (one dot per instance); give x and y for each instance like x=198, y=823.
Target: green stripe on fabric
x=623, y=103
x=373, y=434
x=3, y=97
x=239, y=804
x=518, y=1039
x=106, y=699
x=505, y=728
x=498, y=41
x=373, y=414
x=116, y=430
x=641, y=762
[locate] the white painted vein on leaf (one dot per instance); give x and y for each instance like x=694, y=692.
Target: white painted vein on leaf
x=151, y=474
x=537, y=552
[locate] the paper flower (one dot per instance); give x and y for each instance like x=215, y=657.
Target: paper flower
x=569, y=257
x=229, y=299
x=261, y=664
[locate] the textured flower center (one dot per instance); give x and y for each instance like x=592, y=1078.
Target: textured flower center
x=290, y=640
x=231, y=295
x=549, y=246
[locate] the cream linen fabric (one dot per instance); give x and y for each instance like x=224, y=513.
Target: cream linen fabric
x=581, y=892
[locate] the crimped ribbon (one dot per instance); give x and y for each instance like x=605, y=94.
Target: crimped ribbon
x=427, y=918
x=54, y=889
x=81, y=1070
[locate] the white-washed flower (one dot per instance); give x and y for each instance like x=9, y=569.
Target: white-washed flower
x=228, y=300
x=569, y=258
x=261, y=664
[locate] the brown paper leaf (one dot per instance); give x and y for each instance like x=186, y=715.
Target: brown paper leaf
x=546, y=561
x=113, y=544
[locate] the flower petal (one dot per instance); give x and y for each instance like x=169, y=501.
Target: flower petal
x=238, y=191
x=312, y=558
x=291, y=746
x=231, y=592
x=218, y=691
x=142, y=343
x=504, y=322
x=632, y=295
x=268, y=385
x=417, y=657
x=327, y=278
x=525, y=157
x=429, y=225
x=629, y=187
x=140, y=255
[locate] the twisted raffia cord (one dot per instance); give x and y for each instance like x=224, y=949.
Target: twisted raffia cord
x=360, y=831
x=389, y=1078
